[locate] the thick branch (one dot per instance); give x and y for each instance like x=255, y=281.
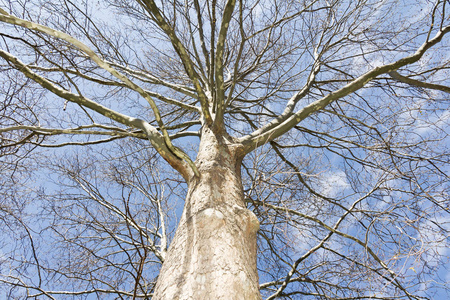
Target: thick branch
x=414, y=82
x=79, y=130
x=281, y=125
x=154, y=11
x=104, y=65
x=218, y=72
x=156, y=139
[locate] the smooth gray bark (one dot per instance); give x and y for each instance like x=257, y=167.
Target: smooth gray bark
x=213, y=254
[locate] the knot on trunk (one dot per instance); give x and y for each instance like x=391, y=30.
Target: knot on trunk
x=247, y=219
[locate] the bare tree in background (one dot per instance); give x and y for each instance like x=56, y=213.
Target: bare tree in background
x=319, y=131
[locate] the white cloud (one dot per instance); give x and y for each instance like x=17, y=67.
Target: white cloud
x=434, y=239
x=425, y=127
x=332, y=183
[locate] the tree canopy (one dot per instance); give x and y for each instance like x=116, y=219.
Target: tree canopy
x=340, y=110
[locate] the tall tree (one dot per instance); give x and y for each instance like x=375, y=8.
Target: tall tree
x=319, y=130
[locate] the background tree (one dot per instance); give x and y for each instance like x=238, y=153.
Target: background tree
x=327, y=120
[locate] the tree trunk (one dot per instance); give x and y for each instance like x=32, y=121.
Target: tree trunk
x=213, y=253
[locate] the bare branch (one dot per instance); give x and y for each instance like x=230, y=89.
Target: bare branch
x=395, y=75
x=283, y=124
x=155, y=138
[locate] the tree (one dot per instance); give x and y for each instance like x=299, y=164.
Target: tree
x=320, y=131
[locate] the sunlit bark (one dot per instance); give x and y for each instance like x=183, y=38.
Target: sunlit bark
x=213, y=253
